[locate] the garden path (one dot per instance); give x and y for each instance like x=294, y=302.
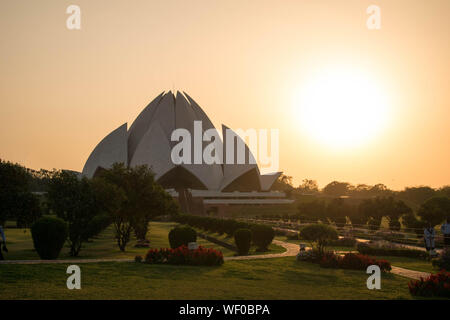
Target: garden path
x=291, y=251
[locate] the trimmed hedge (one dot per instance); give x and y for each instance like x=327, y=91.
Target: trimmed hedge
x=365, y=248
x=49, y=235
x=180, y=236
x=262, y=239
x=243, y=240
x=262, y=236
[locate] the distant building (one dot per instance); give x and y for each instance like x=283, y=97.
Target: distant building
x=199, y=188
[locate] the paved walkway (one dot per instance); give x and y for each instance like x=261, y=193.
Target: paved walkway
x=412, y=274
x=291, y=251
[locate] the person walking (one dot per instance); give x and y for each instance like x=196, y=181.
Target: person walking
x=429, y=235
x=2, y=243
x=445, y=229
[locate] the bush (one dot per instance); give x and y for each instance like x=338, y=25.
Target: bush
x=443, y=262
x=330, y=260
x=49, y=235
x=181, y=236
x=437, y=285
x=361, y=262
x=312, y=255
x=183, y=256
x=243, y=240
x=138, y=259
x=98, y=224
x=262, y=236
x=395, y=251
x=322, y=234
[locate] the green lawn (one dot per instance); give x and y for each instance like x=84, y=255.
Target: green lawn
x=20, y=244
x=281, y=278
x=410, y=263
x=273, y=248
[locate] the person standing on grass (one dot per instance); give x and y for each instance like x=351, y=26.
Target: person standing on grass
x=2, y=243
x=429, y=235
x=446, y=232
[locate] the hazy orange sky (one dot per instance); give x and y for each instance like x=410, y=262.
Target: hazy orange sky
x=62, y=91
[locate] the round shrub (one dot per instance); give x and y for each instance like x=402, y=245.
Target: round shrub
x=179, y=236
x=443, y=262
x=49, y=235
x=243, y=240
x=262, y=236
x=321, y=234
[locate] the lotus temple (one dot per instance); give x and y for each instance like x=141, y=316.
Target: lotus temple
x=199, y=188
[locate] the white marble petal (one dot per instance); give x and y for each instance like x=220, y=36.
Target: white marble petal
x=113, y=148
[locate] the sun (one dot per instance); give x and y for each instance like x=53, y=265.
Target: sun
x=341, y=108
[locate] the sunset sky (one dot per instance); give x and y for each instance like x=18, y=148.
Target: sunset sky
x=248, y=64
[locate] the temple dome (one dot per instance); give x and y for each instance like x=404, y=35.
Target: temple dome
x=148, y=142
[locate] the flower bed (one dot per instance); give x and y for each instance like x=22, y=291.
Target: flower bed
x=183, y=256
x=437, y=285
x=361, y=262
x=349, y=261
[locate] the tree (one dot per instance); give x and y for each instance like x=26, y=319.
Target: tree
x=372, y=209
x=337, y=211
x=321, y=234
x=142, y=199
x=159, y=202
x=337, y=189
x=394, y=209
x=74, y=201
x=413, y=224
x=357, y=218
x=417, y=195
x=29, y=210
x=312, y=211
x=13, y=182
x=435, y=210
x=444, y=191
x=308, y=186
x=283, y=183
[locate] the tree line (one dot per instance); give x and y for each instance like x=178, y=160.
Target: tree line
x=369, y=212
x=414, y=196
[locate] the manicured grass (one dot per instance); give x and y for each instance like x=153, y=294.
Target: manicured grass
x=273, y=248
x=20, y=244
x=281, y=278
x=411, y=263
